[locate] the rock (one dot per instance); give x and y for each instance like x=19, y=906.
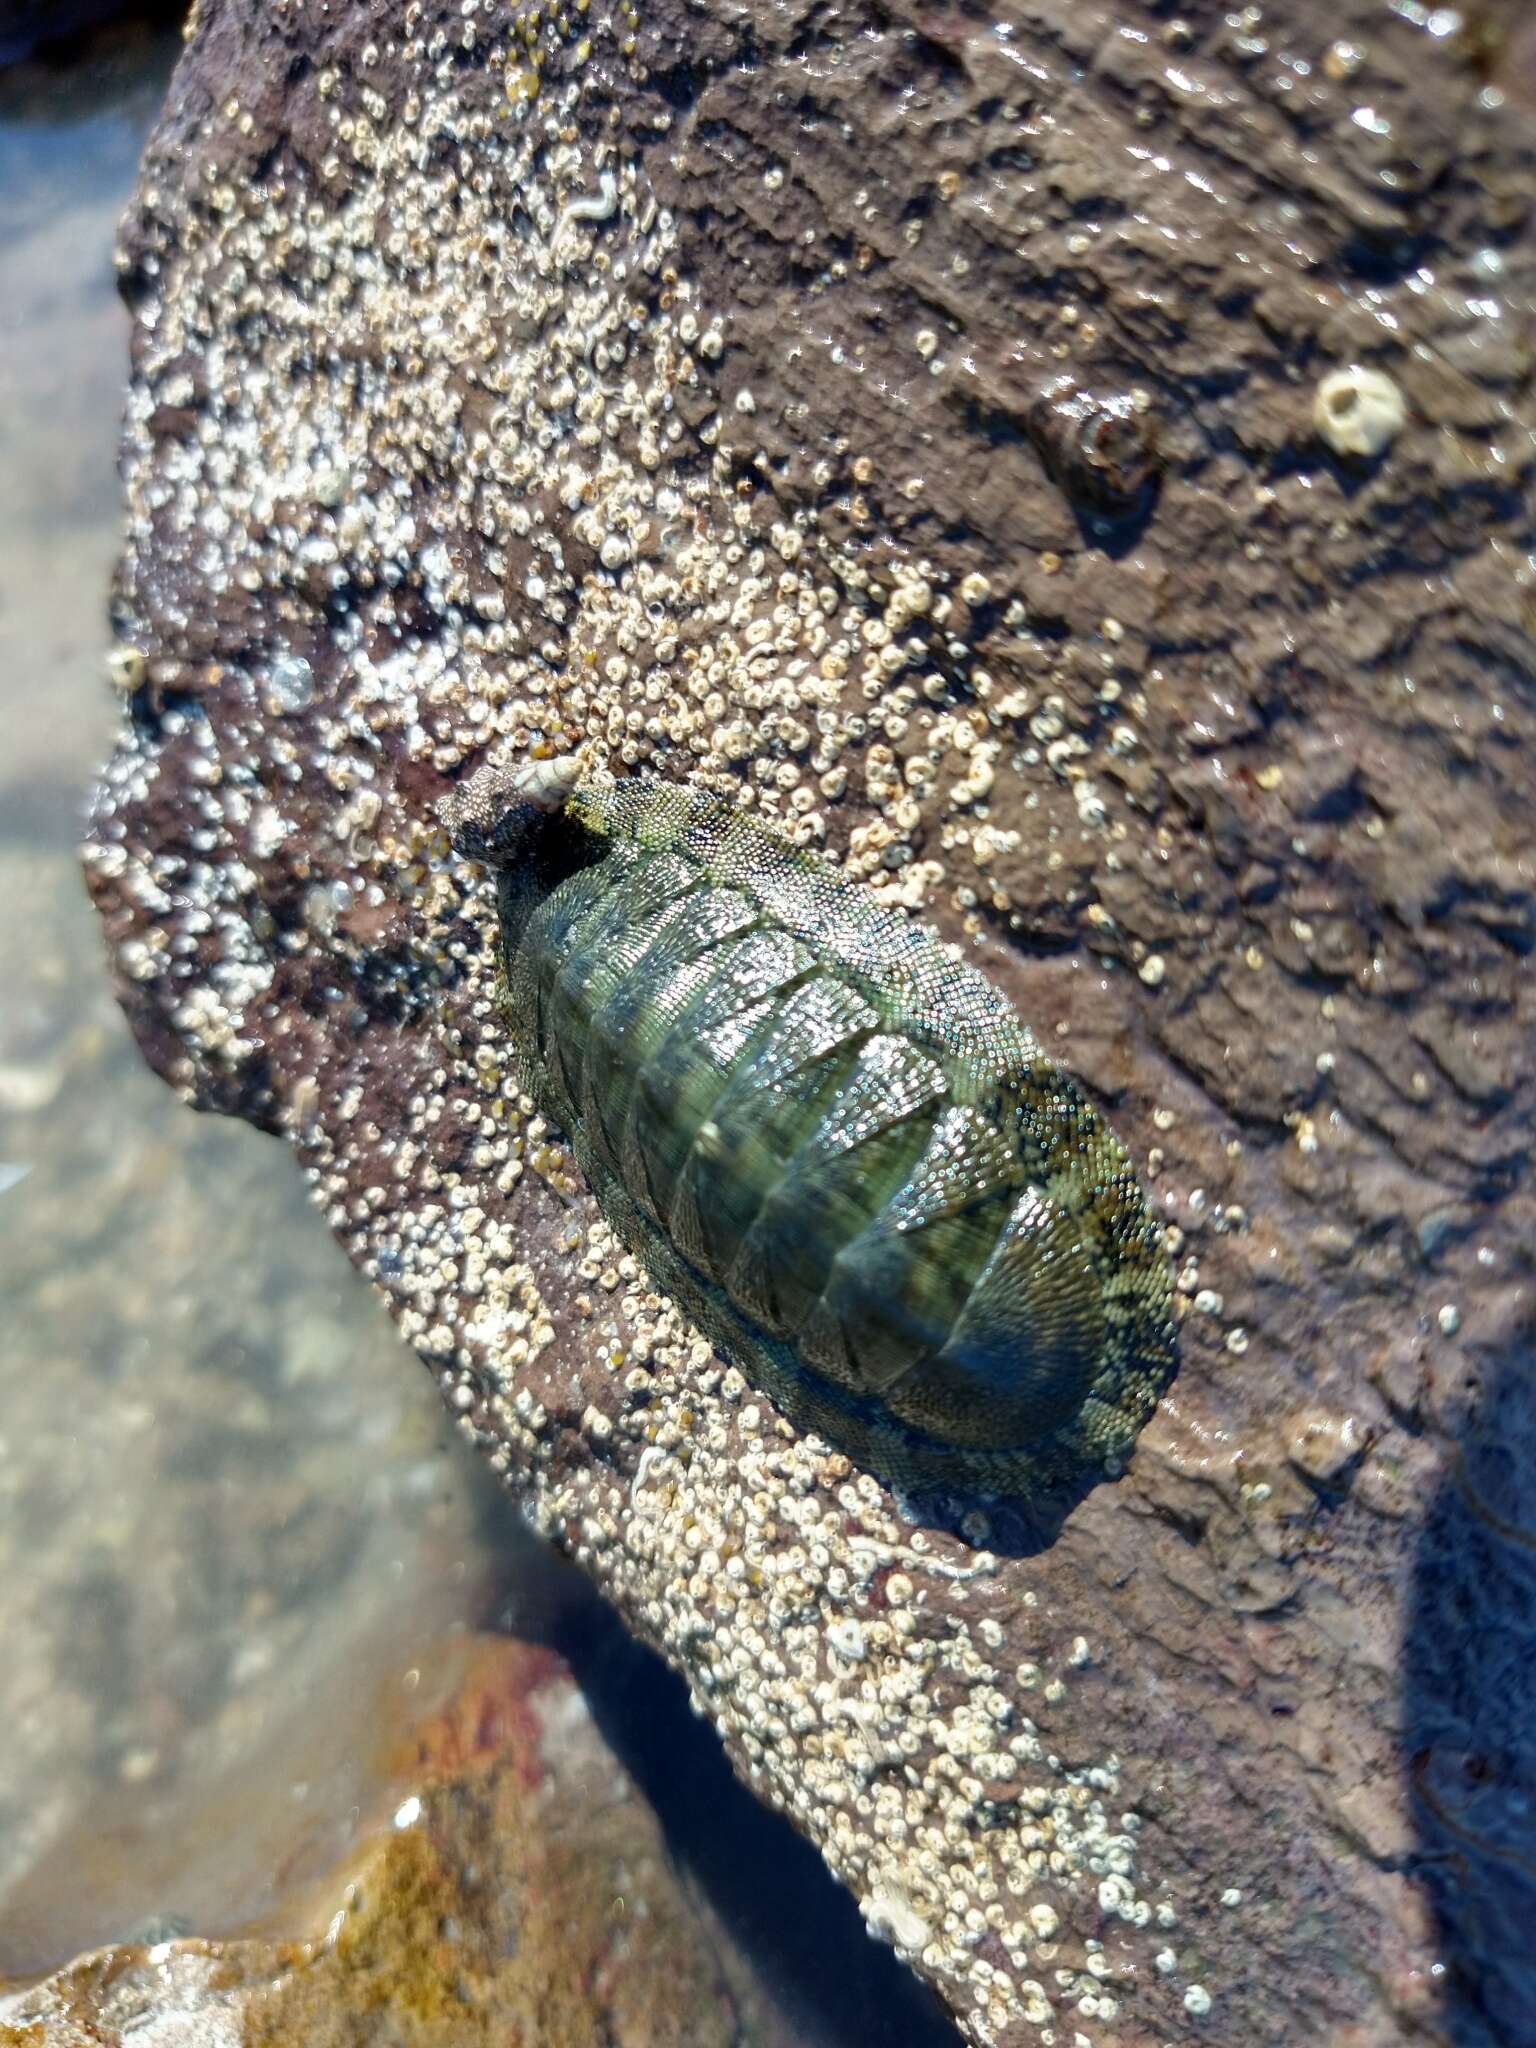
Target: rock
x=523, y=1893
x=430, y=307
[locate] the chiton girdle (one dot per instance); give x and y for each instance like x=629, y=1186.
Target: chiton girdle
x=833, y=1143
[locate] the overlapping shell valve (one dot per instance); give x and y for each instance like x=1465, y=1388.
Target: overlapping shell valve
x=837, y=1147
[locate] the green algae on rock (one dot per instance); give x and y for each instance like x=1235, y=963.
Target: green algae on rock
x=830, y=1140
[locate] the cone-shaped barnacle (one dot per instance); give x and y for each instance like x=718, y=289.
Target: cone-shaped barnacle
x=1101, y=447
x=836, y=1146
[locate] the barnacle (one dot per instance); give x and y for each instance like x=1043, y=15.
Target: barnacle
x=1100, y=447
x=834, y=1144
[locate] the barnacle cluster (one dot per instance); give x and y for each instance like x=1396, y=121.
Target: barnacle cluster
x=456, y=465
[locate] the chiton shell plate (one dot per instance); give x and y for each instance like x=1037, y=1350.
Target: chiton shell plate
x=835, y=1144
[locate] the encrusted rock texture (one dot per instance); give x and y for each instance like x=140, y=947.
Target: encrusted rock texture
x=523, y=1895
x=906, y=420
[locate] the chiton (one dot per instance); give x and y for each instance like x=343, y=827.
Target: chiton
x=833, y=1143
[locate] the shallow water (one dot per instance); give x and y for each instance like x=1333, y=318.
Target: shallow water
x=238, y=1540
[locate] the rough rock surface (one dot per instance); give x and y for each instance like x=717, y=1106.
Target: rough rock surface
x=908, y=419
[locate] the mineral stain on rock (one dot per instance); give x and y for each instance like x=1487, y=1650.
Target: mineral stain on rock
x=829, y=1139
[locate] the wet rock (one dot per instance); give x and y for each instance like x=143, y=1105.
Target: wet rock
x=523, y=1892
x=759, y=312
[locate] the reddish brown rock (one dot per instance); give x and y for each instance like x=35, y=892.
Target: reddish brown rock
x=908, y=421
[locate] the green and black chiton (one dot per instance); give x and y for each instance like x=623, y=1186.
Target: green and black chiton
x=835, y=1145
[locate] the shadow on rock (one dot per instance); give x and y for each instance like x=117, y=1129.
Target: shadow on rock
x=1470, y=1714
x=1009, y=1525
x=773, y=1892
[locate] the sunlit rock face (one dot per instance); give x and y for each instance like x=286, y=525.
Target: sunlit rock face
x=904, y=429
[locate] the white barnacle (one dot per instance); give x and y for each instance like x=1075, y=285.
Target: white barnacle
x=846, y=1637
x=1358, y=411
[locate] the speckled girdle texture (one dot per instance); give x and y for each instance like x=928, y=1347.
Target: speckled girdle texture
x=907, y=423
